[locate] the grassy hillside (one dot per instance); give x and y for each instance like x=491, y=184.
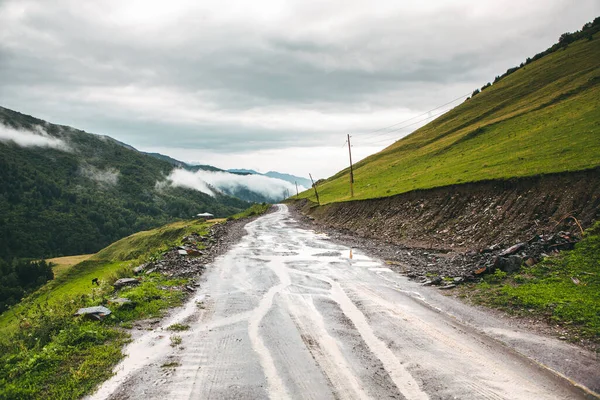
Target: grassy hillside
x=542, y=118
x=56, y=202
x=124, y=253
x=46, y=352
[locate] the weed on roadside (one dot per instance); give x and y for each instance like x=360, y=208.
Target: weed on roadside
x=178, y=327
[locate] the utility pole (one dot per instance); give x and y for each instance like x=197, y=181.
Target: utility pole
x=296, y=188
x=351, y=172
x=315, y=187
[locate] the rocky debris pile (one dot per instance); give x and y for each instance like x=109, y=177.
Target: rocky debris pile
x=196, y=251
x=529, y=253
x=448, y=268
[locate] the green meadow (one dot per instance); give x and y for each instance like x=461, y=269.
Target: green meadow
x=543, y=118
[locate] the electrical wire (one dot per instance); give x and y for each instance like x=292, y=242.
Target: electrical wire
x=409, y=119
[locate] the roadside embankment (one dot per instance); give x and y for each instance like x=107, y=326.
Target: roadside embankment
x=495, y=243
x=470, y=216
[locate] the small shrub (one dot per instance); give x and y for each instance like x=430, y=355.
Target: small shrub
x=497, y=277
x=178, y=327
x=175, y=340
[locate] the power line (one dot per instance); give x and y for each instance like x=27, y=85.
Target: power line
x=411, y=124
x=410, y=119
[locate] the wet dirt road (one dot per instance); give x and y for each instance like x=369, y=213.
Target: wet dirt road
x=287, y=314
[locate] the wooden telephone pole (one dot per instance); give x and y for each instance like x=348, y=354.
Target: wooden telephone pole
x=296, y=188
x=351, y=172
x=315, y=187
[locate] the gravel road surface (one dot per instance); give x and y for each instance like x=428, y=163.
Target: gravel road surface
x=288, y=314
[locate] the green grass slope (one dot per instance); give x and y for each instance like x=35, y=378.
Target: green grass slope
x=104, y=265
x=543, y=118
x=46, y=352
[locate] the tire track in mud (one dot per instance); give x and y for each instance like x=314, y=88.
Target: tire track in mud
x=402, y=379
x=276, y=386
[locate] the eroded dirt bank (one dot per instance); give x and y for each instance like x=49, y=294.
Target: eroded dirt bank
x=470, y=216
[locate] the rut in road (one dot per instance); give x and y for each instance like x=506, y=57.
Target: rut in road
x=286, y=313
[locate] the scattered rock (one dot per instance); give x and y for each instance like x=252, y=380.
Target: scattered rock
x=508, y=264
x=512, y=249
x=447, y=287
x=182, y=252
x=138, y=270
x=119, y=283
x=96, y=313
x=120, y=301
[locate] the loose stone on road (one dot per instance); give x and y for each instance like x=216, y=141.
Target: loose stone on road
x=286, y=313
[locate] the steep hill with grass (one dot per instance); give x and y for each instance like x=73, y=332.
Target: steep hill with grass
x=64, y=191
x=541, y=118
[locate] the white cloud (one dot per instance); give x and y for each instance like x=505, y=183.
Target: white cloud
x=225, y=182
x=27, y=138
x=108, y=176
x=187, y=179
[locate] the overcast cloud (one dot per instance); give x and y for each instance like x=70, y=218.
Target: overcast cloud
x=267, y=85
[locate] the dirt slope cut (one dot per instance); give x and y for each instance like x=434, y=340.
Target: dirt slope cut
x=473, y=215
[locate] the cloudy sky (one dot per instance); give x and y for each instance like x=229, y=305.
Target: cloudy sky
x=268, y=85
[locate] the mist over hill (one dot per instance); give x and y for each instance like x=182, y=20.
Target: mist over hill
x=65, y=191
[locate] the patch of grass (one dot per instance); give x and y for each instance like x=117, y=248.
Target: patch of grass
x=178, y=327
x=63, y=264
x=111, y=263
x=45, y=352
x=255, y=209
x=172, y=364
x=55, y=355
x=175, y=340
x=541, y=119
x=563, y=289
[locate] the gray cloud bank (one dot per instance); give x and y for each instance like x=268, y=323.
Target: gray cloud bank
x=235, y=76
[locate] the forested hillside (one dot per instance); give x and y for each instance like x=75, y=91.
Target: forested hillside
x=64, y=191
